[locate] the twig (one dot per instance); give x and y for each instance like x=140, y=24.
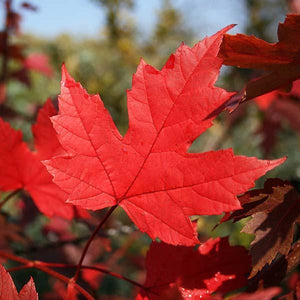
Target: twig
x=108, y=214
x=99, y=269
x=40, y=266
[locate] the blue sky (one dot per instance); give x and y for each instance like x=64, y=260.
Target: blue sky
x=85, y=18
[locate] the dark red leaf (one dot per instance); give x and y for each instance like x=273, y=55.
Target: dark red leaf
x=274, y=210
x=281, y=59
x=193, y=273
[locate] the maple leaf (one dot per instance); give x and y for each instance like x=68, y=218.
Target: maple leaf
x=148, y=172
x=214, y=267
x=274, y=210
x=38, y=62
x=21, y=168
x=281, y=59
x=8, y=290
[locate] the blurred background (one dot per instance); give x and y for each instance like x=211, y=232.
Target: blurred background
x=101, y=43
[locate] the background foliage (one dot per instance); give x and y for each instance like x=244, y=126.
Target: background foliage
x=104, y=64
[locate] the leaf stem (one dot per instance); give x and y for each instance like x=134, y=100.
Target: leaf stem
x=99, y=269
x=18, y=268
x=103, y=270
x=107, y=215
x=9, y=196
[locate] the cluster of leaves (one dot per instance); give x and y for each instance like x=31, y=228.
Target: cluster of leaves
x=81, y=162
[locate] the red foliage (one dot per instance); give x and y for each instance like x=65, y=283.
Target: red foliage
x=8, y=290
x=192, y=274
x=152, y=176
x=22, y=169
x=148, y=172
x=280, y=60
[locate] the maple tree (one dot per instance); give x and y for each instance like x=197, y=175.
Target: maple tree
x=81, y=162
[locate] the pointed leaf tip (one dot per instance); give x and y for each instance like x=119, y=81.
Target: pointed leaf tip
x=277, y=162
x=65, y=76
x=227, y=28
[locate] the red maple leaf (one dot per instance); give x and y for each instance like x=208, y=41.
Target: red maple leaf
x=21, y=169
x=148, y=172
x=191, y=274
x=38, y=62
x=8, y=290
x=280, y=60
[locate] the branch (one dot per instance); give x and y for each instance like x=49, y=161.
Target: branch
x=41, y=266
x=102, y=270
x=108, y=214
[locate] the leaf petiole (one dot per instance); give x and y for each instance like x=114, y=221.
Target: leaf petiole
x=79, y=265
